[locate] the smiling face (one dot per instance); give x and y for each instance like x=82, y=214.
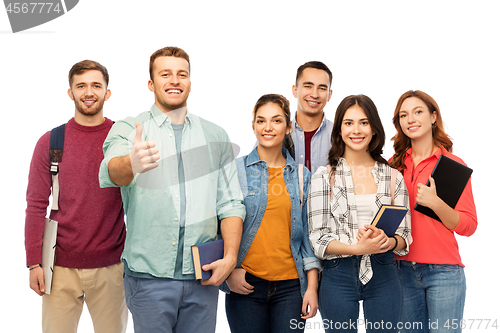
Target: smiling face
x=312, y=91
x=415, y=119
x=89, y=92
x=270, y=126
x=171, y=83
x=355, y=130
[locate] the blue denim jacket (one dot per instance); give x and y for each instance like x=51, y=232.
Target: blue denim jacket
x=254, y=177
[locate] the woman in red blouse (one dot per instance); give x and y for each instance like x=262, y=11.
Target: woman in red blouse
x=431, y=274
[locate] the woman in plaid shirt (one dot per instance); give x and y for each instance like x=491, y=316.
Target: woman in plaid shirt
x=359, y=261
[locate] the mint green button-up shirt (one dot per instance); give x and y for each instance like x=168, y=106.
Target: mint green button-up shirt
x=152, y=200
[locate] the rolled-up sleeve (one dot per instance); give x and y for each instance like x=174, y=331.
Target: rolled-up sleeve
x=118, y=143
x=467, y=210
x=229, y=197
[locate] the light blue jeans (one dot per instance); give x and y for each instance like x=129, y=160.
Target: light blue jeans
x=166, y=306
x=433, y=297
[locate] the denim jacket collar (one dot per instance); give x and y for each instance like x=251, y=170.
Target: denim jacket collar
x=254, y=158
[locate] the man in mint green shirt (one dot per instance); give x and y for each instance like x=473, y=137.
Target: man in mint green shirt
x=178, y=179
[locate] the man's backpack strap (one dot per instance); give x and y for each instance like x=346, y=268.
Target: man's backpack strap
x=55, y=157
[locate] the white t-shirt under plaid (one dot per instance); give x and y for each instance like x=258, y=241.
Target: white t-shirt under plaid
x=336, y=218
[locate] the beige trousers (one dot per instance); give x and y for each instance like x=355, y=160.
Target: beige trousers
x=102, y=290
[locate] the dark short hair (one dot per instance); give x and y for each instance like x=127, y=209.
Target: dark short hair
x=85, y=66
x=316, y=65
x=169, y=51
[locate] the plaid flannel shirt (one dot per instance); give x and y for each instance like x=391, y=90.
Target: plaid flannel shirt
x=336, y=218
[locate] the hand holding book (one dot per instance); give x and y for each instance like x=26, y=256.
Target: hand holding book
x=426, y=194
x=220, y=271
x=372, y=240
x=427, y=198
x=37, y=281
x=449, y=179
x=211, y=266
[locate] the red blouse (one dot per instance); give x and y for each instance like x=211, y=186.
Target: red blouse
x=433, y=243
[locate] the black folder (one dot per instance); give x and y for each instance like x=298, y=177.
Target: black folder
x=450, y=177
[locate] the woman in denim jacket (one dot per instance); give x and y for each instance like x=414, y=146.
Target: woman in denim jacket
x=274, y=285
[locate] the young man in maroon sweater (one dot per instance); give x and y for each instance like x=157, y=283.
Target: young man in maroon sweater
x=91, y=230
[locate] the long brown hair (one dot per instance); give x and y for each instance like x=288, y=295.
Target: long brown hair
x=402, y=143
x=375, y=148
x=284, y=104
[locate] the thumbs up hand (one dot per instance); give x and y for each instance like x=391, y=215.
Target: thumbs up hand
x=144, y=155
x=427, y=195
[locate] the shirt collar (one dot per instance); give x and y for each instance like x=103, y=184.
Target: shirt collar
x=437, y=153
x=296, y=125
x=376, y=171
x=160, y=118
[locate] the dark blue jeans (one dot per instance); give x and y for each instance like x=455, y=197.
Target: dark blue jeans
x=274, y=307
x=341, y=291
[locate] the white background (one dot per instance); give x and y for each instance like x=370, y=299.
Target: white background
x=239, y=51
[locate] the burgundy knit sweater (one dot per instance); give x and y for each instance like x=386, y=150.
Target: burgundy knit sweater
x=91, y=230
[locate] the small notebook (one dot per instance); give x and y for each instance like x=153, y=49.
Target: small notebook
x=204, y=254
x=389, y=217
x=49, y=252
x=450, y=177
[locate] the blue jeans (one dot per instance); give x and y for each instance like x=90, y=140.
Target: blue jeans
x=164, y=305
x=341, y=290
x=274, y=306
x=433, y=297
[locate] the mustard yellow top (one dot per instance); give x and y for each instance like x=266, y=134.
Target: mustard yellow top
x=270, y=256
